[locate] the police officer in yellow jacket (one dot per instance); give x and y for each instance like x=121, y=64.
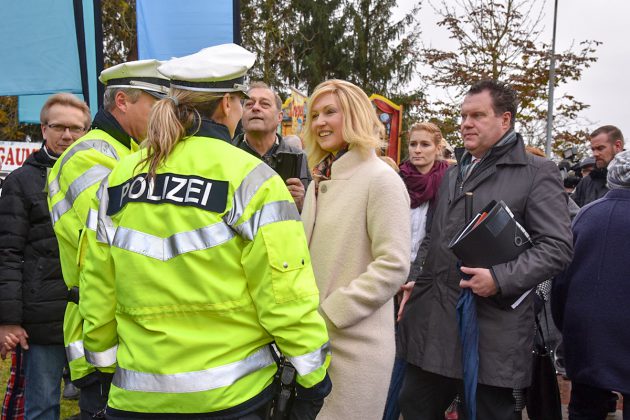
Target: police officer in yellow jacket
x=131, y=90
x=200, y=262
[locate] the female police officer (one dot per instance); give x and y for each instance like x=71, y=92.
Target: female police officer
x=199, y=263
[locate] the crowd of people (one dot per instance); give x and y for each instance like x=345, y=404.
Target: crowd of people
x=156, y=251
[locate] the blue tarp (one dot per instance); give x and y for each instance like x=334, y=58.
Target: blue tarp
x=41, y=54
x=38, y=48
x=174, y=28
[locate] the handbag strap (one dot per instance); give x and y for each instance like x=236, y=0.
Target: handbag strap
x=546, y=319
x=540, y=332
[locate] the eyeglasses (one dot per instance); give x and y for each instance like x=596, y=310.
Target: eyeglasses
x=60, y=128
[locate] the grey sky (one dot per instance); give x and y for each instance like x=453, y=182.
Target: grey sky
x=606, y=84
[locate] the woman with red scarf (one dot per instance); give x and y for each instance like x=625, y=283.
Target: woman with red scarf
x=422, y=174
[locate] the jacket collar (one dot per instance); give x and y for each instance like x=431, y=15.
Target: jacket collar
x=350, y=162
x=512, y=153
x=106, y=122
x=209, y=128
x=623, y=193
x=240, y=141
x=40, y=159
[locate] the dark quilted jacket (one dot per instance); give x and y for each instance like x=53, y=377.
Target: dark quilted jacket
x=32, y=291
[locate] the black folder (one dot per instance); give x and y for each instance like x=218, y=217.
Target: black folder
x=492, y=237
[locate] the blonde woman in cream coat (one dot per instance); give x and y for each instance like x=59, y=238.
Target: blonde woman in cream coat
x=356, y=216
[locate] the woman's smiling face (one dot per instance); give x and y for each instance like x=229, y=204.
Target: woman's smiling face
x=327, y=122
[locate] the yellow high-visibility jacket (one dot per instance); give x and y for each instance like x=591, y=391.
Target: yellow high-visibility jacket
x=192, y=276
x=72, y=184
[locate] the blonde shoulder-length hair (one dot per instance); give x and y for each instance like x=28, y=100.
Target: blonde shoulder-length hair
x=361, y=126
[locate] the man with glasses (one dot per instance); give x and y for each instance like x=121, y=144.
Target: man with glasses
x=132, y=89
x=33, y=295
x=262, y=113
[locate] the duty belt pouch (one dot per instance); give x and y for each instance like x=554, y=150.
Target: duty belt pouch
x=284, y=391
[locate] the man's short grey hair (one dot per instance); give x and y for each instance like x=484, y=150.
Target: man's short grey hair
x=263, y=85
x=109, y=97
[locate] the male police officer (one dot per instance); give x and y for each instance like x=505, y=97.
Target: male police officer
x=132, y=89
x=262, y=112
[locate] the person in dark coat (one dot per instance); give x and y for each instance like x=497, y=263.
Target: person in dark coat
x=606, y=142
x=589, y=300
x=33, y=295
x=494, y=166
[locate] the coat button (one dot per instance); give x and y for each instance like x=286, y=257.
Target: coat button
x=285, y=265
x=302, y=261
x=323, y=188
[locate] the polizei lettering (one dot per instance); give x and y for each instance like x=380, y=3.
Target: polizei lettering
x=181, y=190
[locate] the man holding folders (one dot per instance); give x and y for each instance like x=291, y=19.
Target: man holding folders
x=494, y=166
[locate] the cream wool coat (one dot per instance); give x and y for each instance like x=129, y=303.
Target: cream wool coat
x=359, y=237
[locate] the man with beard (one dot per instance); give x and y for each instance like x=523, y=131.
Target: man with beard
x=606, y=142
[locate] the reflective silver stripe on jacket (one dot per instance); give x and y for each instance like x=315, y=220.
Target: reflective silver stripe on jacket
x=92, y=220
x=102, y=358
x=276, y=211
x=177, y=244
x=202, y=380
x=90, y=177
x=312, y=361
x=248, y=188
x=98, y=145
x=105, y=229
x=74, y=350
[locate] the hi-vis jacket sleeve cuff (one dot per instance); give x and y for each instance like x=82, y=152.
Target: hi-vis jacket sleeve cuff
x=102, y=358
x=315, y=376
x=310, y=362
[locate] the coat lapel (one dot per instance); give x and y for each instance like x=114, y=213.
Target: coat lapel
x=515, y=155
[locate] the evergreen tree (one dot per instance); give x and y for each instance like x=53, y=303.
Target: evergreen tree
x=381, y=52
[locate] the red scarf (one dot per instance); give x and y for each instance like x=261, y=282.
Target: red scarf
x=422, y=187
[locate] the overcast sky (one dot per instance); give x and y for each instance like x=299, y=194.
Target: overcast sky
x=606, y=84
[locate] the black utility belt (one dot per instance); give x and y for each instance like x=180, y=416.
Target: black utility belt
x=73, y=295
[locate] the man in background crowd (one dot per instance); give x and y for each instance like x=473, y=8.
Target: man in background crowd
x=606, y=142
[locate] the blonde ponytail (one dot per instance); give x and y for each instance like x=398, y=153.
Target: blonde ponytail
x=172, y=119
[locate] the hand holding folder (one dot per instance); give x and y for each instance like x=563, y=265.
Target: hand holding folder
x=492, y=237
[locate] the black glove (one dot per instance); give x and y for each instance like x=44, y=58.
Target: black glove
x=309, y=401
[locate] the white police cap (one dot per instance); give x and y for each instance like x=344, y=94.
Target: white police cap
x=141, y=74
x=214, y=69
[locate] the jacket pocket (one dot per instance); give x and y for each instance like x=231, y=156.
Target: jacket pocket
x=291, y=272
